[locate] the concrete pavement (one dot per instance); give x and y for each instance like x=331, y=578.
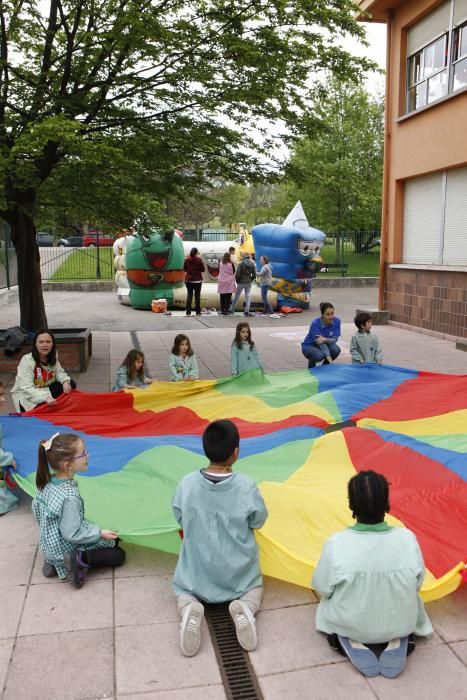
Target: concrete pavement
x=118, y=636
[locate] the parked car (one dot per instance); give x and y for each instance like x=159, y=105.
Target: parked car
x=75, y=241
x=46, y=240
x=91, y=239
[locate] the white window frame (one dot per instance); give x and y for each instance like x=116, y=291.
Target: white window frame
x=455, y=24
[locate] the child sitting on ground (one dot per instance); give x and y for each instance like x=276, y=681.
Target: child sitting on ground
x=218, y=511
x=243, y=354
x=182, y=361
x=71, y=545
x=364, y=346
x=368, y=578
x=8, y=500
x=130, y=374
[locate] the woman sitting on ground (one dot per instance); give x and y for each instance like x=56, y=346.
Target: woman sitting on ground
x=40, y=377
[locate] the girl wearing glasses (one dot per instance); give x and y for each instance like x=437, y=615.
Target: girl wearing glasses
x=71, y=545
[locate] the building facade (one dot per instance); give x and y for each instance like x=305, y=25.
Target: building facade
x=423, y=279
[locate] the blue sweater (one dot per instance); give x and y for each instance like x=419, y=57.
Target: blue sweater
x=317, y=328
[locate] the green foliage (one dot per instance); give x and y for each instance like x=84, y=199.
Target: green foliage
x=190, y=81
x=337, y=172
x=108, y=103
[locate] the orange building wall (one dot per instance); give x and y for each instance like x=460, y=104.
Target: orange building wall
x=431, y=139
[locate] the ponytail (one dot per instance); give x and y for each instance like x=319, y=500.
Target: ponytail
x=55, y=451
x=42, y=472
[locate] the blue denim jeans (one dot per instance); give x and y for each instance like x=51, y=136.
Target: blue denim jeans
x=264, y=297
x=240, y=288
x=317, y=353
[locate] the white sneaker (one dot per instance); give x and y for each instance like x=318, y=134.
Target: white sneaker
x=190, y=629
x=245, y=626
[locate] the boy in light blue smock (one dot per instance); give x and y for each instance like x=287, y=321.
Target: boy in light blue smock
x=364, y=346
x=368, y=579
x=218, y=511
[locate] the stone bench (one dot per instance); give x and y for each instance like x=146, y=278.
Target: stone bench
x=74, y=347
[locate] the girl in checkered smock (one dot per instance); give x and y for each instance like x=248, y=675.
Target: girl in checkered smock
x=71, y=545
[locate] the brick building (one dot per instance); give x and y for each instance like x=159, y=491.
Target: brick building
x=424, y=229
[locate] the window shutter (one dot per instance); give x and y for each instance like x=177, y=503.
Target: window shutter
x=455, y=226
x=460, y=12
x=429, y=28
x=422, y=220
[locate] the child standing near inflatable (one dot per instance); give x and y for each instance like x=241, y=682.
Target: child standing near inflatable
x=130, y=374
x=71, y=545
x=368, y=578
x=8, y=500
x=243, y=354
x=182, y=361
x=364, y=346
x=218, y=511
x=320, y=343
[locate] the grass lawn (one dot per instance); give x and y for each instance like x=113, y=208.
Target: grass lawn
x=81, y=264
x=365, y=265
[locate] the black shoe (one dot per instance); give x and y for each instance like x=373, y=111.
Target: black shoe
x=311, y=364
x=333, y=641
x=188, y=313
x=49, y=570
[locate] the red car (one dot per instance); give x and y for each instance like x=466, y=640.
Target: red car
x=91, y=239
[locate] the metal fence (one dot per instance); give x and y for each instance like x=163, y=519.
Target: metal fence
x=8, y=264
x=64, y=264
x=353, y=254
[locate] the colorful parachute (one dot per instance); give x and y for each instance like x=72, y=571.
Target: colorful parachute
x=410, y=426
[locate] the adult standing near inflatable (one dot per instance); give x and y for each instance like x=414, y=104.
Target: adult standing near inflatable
x=265, y=280
x=244, y=276
x=321, y=342
x=40, y=377
x=226, y=282
x=194, y=268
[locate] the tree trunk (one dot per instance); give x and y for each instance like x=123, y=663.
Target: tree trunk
x=31, y=300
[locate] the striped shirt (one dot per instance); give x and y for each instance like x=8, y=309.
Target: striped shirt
x=368, y=578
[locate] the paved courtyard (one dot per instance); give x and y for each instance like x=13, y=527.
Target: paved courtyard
x=118, y=636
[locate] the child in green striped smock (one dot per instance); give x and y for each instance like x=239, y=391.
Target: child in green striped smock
x=368, y=579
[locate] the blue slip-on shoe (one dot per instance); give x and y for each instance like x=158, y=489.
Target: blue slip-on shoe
x=392, y=660
x=360, y=656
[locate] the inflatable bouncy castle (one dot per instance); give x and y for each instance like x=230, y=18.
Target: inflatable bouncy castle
x=148, y=267
x=293, y=249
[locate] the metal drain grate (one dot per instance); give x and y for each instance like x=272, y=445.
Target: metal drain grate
x=238, y=676
x=137, y=346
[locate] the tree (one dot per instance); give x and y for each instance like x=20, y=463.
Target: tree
x=91, y=74
x=337, y=172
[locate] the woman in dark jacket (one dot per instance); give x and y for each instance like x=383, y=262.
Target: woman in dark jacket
x=194, y=269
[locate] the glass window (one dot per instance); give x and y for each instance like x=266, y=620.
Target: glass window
x=459, y=47
x=437, y=86
x=435, y=57
x=415, y=68
x=460, y=75
x=417, y=97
